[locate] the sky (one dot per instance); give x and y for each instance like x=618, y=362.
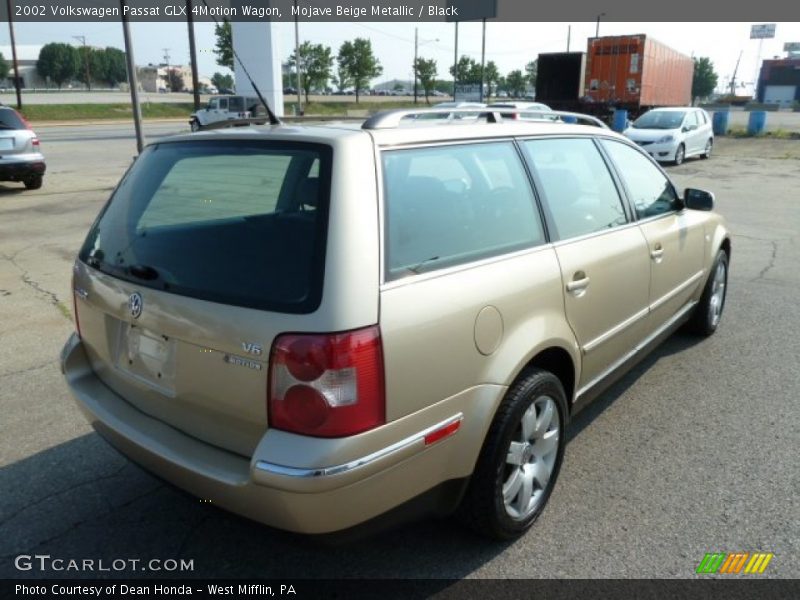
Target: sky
x=510, y=45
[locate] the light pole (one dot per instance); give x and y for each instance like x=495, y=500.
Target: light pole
x=17, y=82
x=416, y=49
x=597, y=28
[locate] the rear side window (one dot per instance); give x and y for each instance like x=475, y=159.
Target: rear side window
x=579, y=192
x=240, y=223
x=9, y=119
x=454, y=204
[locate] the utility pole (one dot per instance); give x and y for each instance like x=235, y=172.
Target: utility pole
x=455, y=65
x=132, y=79
x=14, y=54
x=193, y=55
x=82, y=39
x=297, y=60
x=483, y=56
x=166, y=61
x=416, y=47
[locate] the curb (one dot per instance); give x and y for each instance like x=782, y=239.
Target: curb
x=80, y=123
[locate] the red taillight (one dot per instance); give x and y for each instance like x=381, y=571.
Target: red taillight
x=35, y=142
x=327, y=385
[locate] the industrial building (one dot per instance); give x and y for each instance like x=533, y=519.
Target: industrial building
x=779, y=82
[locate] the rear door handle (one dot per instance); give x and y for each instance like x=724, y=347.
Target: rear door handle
x=657, y=253
x=576, y=286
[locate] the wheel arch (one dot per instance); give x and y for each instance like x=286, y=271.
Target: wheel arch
x=560, y=362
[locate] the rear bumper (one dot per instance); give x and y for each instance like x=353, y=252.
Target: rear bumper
x=337, y=484
x=16, y=170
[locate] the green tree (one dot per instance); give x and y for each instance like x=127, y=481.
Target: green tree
x=175, y=80
x=341, y=79
x=425, y=71
x=59, y=62
x=3, y=66
x=224, y=44
x=515, y=82
x=115, y=69
x=469, y=71
x=704, y=79
x=221, y=81
x=96, y=59
x=491, y=77
x=359, y=63
x=316, y=64
x=530, y=73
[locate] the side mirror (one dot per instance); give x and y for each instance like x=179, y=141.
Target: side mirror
x=698, y=199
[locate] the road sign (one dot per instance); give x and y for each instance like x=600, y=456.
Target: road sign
x=762, y=32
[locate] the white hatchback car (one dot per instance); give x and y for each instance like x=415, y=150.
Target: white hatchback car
x=673, y=134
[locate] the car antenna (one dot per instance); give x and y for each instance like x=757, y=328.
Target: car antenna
x=273, y=120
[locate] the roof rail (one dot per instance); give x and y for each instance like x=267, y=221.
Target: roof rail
x=390, y=119
x=589, y=119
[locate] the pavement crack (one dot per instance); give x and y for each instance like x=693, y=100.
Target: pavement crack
x=51, y=297
x=28, y=370
x=771, y=262
x=75, y=486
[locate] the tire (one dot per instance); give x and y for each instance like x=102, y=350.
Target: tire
x=708, y=312
x=511, y=461
x=709, y=147
x=34, y=182
x=194, y=124
x=680, y=154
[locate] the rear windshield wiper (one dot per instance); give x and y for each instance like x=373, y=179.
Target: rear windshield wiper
x=143, y=272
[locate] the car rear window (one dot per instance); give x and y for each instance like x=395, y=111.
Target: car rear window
x=241, y=223
x=9, y=119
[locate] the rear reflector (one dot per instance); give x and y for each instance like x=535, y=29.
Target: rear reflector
x=75, y=303
x=327, y=385
x=439, y=434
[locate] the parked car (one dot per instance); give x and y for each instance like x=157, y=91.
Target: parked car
x=21, y=157
x=224, y=108
x=265, y=317
x=523, y=110
x=673, y=134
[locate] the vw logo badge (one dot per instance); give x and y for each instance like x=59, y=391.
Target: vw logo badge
x=135, y=304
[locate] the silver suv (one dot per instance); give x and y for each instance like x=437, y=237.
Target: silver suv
x=21, y=157
x=314, y=326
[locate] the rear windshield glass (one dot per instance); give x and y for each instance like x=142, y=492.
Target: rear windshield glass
x=235, y=222
x=9, y=119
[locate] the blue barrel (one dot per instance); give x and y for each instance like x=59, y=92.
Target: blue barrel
x=757, y=122
x=720, y=122
x=620, y=122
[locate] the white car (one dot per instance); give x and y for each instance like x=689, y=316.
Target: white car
x=673, y=134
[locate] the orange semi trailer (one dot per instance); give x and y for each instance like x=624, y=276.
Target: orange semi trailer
x=632, y=72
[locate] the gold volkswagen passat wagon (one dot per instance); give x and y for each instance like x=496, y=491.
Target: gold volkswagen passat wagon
x=318, y=326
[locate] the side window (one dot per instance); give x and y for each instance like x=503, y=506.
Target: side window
x=691, y=120
x=579, y=192
x=651, y=192
x=702, y=119
x=213, y=104
x=454, y=204
x=223, y=104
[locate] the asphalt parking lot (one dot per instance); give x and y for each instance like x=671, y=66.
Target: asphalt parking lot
x=694, y=451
